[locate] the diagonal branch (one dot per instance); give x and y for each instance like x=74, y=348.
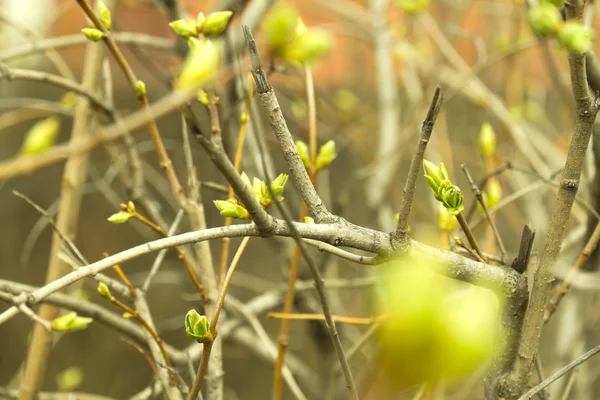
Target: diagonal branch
x=271, y=106
x=401, y=234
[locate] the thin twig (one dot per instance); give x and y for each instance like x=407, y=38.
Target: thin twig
x=479, y=197
x=365, y=260
x=573, y=364
x=400, y=235
x=270, y=104
x=161, y=255
x=180, y=253
x=562, y=290
x=469, y=234
x=320, y=317
x=586, y=107
x=203, y=368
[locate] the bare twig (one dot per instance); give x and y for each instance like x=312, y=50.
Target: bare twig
x=12, y=74
x=204, y=362
x=481, y=201
x=573, y=364
x=562, y=290
x=271, y=106
x=586, y=110
x=400, y=235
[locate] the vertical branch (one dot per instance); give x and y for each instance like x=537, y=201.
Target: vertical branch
x=400, y=236
x=282, y=341
x=73, y=181
x=271, y=106
x=309, y=194
x=586, y=107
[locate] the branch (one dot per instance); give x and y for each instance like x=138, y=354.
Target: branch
x=126, y=38
x=573, y=364
x=586, y=107
x=401, y=234
x=25, y=164
x=29, y=75
x=271, y=106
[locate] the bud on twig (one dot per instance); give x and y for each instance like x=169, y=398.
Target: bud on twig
x=41, y=136
x=575, y=36
x=140, y=89
x=104, y=15
x=70, y=322
x=184, y=27
x=326, y=155
x=216, y=23
x=198, y=327
x=93, y=34
x=230, y=208
x=545, y=19
x=104, y=291
x=119, y=218
x=487, y=140
x=302, y=149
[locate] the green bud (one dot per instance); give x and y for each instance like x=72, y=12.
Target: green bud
x=69, y=100
x=69, y=379
x=184, y=27
x=104, y=291
x=128, y=315
x=307, y=48
x=230, y=208
x=216, y=23
x=93, y=34
x=70, y=322
x=412, y=7
x=493, y=192
x=452, y=198
x=200, y=21
x=326, y=155
x=278, y=185
x=130, y=207
x=575, y=37
x=41, y=136
x=200, y=65
x=279, y=26
x=302, y=149
x=264, y=196
x=119, y=218
x=435, y=175
x=202, y=97
x=487, y=140
x=309, y=220
x=246, y=180
x=545, y=19
x=140, y=89
x=446, y=222
x=198, y=327
x=104, y=14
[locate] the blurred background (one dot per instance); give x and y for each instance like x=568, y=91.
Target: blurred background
x=372, y=91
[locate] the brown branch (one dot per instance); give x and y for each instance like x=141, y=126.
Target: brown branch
x=401, y=234
x=271, y=106
x=586, y=107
